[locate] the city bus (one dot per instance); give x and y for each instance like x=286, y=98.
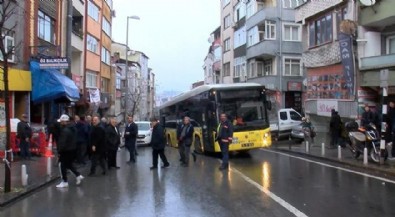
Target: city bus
x=245, y=105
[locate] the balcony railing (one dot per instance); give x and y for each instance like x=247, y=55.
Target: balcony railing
x=378, y=62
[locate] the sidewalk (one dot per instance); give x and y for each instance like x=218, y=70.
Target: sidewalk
x=37, y=177
x=347, y=158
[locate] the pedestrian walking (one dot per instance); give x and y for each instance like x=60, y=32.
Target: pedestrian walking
x=131, y=131
x=113, y=140
x=158, y=142
x=98, y=144
x=82, y=139
x=224, y=138
x=185, y=141
x=24, y=134
x=335, y=128
x=88, y=120
x=308, y=130
x=67, y=146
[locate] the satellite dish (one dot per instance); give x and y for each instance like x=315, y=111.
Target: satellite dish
x=368, y=2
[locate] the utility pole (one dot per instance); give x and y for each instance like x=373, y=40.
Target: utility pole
x=69, y=29
x=127, y=69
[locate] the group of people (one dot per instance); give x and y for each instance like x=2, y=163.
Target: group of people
x=93, y=138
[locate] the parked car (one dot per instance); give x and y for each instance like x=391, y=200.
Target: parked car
x=144, y=134
x=281, y=124
x=297, y=134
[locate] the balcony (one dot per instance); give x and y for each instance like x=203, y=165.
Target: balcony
x=378, y=62
x=77, y=42
x=380, y=15
x=264, y=48
x=258, y=17
x=79, y=6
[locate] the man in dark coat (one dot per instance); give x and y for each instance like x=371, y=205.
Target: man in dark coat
x=98, y=144
x=67, y=147
x=335, y=129
x=131, y=131
x=112, y=140
x=390, y=131
x=82, y=139
x=158, y=143
x=224, y=138
x=24, y=134
x=367, y=117
x=185, y=138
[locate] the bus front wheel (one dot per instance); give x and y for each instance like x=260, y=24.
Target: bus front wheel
x=198, y=145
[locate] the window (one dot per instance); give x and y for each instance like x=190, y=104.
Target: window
x=106, y=26
x=252, y=36
x=227, y=45
x=105, y=84
x=239, y=67
x=91, y=79
x=239, y=37
x=227, y=21
x=225, y=2
x=268, y=67
x=118, y=82
x=239, y=12
x=320, y=31
x=92, y=43
x=250, y=9
x=251, y=69
x=292, y=67
x=226, y=68
x=46, y=27
x=9, y=44
x=391, y=45
x=259, y=68
x=93, y=11
x=283, y=116
x=270, y=30
x=295, y=116
x=105, y=56
x=292, y=32
x=292, y=3
x=340, y=16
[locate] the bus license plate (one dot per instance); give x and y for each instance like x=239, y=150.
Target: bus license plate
x=245, y=145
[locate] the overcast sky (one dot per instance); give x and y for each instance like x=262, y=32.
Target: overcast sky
x=172, y=33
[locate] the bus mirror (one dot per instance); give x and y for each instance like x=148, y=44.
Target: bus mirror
x=269, y=105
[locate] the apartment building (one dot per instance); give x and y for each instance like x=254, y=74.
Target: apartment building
x=227, y=41
x=376, y=51
x=330, y=77
x=274, y=51
x=97, y=77
x=212, y=61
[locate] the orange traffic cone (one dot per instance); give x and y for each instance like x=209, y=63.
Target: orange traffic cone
x=48, y=150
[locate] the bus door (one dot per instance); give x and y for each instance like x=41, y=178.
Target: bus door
x=209, y=127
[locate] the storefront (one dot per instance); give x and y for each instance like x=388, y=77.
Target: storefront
x=293, y=96
x=52, y=94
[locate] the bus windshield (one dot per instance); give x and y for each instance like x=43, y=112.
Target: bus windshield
x=245, y=110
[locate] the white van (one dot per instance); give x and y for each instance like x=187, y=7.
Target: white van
x=281, y=126
x=144, y=134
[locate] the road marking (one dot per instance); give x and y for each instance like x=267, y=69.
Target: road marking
x=331, y=166
x=276, y=198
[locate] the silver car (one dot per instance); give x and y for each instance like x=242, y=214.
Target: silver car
x=297, y=133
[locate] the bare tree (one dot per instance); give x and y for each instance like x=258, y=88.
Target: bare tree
x=135, y=94
x=7, y=26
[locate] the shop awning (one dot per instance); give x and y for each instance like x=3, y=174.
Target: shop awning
x=50, y=84
x=18, y=80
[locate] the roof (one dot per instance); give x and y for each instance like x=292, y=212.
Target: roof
x=204, y=88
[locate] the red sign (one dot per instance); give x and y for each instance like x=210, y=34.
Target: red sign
x=294, y=86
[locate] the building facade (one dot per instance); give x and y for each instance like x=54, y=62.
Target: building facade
x=376, y=51
x=227, y=41
x=329, y=86
x=212, y=62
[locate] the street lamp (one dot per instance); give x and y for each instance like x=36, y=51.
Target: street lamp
x=134, y=17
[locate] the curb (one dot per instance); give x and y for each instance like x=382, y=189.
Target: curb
x=28, y=191
x=350, y=164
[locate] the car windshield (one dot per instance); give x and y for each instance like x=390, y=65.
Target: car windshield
x=143, y=126
x=246, y=112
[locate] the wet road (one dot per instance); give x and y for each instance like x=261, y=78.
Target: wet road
x=262, y=184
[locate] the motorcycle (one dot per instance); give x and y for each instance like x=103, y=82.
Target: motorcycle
x=361, y=137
